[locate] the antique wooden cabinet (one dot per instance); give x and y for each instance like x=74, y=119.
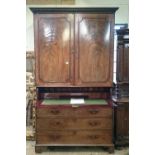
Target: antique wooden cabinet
x=74, y=59
x=121, y=99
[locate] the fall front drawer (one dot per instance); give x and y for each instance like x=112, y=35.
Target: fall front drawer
x=73, y=123
x=75, y=137
x=81, y=111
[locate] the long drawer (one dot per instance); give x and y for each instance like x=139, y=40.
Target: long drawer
x=75, y=137
x=73, y=123
x=90, y=111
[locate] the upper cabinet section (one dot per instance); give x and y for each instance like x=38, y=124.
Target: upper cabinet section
x=74, y=46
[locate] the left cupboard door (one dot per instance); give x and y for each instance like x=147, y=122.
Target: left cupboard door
x=53, y=49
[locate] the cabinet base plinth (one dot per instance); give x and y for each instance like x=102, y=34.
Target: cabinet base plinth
x=39, y=148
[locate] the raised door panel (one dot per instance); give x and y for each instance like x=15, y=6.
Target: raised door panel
x=94, y=49
x=53, y=49
x=122, y=121
x=123, y=63
x=126, y=62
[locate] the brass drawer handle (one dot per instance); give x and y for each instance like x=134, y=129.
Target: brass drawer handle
x=55, y=112
x=93, y=137
x=55, y=123
x=93, y=123
x=55, y=137
x=93, y=111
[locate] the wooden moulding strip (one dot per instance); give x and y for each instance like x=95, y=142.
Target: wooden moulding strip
x=74, y=145
x=50, y=2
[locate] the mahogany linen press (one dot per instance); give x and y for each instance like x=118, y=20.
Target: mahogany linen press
x=74, y=62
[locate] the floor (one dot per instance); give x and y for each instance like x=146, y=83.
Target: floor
x=74, y=150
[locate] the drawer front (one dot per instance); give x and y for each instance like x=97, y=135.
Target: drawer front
x=74, y=123
x=54, y=112
x=85, y=111
x=94, y=112
x=75, y=137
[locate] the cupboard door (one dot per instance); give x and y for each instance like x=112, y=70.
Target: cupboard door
x=94, y=49
x=53, y=34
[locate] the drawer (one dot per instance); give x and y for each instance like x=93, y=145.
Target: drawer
x=75, y=137
x=91, y=111
x=54, y=112
x=73, y=123
x=81, y=111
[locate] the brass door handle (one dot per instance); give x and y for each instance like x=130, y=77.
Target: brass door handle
x=66, y=62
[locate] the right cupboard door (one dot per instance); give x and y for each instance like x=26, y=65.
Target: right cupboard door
x=94, y=49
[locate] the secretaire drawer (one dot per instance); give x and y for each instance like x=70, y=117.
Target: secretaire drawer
x=75, y=137
x=80, y=111
x=73, y=123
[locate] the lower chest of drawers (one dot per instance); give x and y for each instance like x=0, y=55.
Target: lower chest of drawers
x=74, y=126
